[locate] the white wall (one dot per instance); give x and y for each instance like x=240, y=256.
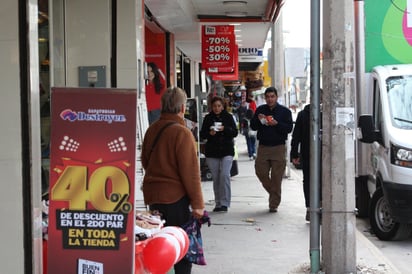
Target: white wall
x=11, y=212
x=88, y=37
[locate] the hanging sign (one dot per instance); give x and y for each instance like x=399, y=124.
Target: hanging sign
x=229, y=76
x=218, y=49
x=92, y=178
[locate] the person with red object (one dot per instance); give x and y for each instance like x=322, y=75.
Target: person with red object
x=251, y=102
x=155, y=87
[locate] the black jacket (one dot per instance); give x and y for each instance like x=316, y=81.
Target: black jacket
x=301, y=134
x=273, y=135
x=221, y=144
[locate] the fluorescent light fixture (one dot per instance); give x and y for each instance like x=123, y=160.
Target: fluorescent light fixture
x=235, y=3
x=236, y=13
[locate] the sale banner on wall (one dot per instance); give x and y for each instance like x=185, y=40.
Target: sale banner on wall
x=218, y=49
x=92, y=174
x=229, y=76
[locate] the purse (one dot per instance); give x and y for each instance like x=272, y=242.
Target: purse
x=195, y=252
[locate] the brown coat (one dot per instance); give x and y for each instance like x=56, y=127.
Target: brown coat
x=173, y=169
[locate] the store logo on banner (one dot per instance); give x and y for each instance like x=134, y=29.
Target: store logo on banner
x=93, y=115
x=250, y=55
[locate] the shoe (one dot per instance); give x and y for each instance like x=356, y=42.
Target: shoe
x=251, y=158
x=307, y=217
x=273, y=210
x=254, y=155
x=220, y=209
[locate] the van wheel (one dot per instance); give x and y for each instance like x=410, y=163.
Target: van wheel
x=382, y=223
x=362, y=197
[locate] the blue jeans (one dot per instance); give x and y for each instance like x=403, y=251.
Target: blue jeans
x=153, y=115
x=251, y=145
x=220, y=169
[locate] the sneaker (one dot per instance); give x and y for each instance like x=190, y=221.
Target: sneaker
x=254, y=155
x=251, y=158
x=220, y=209
x=273, y=210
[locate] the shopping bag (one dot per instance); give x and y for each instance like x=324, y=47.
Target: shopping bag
x=195, y=252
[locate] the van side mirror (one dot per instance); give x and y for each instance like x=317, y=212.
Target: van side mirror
x=365, y=123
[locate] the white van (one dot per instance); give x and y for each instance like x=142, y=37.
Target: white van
x=385, y=190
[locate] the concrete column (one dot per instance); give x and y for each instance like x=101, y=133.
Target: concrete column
x=278, y=77
x=338, y=187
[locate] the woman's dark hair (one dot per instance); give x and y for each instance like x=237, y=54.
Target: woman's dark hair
x=218, y=98
x=156, y=80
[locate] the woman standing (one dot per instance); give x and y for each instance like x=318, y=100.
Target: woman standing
x=175, y=189
x=155, y=87
x=219, y=129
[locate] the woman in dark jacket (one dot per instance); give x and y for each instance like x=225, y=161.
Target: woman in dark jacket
x=219, y=129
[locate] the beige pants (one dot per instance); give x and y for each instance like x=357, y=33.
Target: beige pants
x=269, y=167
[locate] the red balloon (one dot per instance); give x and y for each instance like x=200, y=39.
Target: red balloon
x=138, y=265
x=159, y=255
x=181, y=236
x=172, y=240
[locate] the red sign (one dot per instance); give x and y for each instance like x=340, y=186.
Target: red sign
x=218, y=48
x=92, y=178
x=229, y=76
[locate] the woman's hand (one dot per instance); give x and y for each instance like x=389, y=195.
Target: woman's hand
x=198, y=213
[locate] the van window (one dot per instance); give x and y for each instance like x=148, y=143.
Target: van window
x=377, y=111
x=399, y=92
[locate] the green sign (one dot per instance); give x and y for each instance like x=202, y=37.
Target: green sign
x=388, y=39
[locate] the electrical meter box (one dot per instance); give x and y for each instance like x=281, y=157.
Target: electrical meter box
x=92, y=76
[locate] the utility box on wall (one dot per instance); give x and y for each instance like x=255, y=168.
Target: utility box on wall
x=92, y=76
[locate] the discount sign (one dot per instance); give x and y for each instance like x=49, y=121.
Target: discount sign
x=92, y=171
x=218, y=49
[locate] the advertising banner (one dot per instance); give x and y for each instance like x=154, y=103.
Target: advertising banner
x=92, y=175
x=218, y=49
x=388, y=33
x=234, y=76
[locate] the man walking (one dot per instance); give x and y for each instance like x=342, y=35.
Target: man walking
x=300, y=150
x=273, y=123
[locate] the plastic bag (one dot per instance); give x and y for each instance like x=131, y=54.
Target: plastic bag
x=195, y=253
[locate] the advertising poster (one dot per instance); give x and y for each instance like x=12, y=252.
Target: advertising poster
x=234, y=76
x=218, y=49
x=156, y=52
x=92, y=175
x=388, y=33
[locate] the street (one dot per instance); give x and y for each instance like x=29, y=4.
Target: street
x=398, y=252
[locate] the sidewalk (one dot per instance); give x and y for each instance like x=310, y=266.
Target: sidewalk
x=249, y=239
